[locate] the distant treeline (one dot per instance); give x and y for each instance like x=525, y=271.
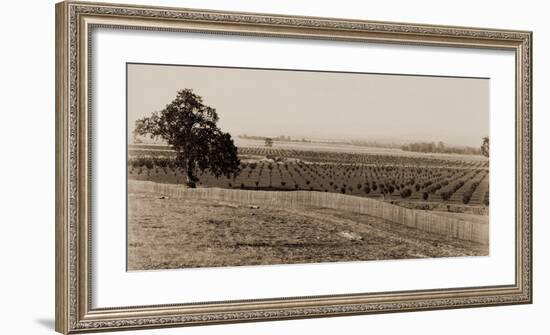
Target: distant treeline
x=374, y=144
x=440, y=147
x=281, y=138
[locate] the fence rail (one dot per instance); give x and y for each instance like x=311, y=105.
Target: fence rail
x=423, y=220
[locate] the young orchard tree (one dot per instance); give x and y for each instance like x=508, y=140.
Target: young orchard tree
x=485, y=147
x=190, y=128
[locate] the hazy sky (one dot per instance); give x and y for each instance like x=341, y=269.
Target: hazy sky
x=322, y=105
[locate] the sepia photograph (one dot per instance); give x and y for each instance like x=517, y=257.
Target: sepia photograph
x=235, y=166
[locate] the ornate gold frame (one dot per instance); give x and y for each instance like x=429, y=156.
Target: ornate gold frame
x=75, y=20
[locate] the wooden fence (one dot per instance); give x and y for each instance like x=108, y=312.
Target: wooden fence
x=419, y=219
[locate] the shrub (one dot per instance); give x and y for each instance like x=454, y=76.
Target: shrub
x=406, y=193
x=161, y=162
x=140, y=161
x=447, y=194
x=486, y=199
x=468, y=194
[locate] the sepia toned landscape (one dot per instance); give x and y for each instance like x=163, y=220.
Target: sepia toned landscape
x=335, y=167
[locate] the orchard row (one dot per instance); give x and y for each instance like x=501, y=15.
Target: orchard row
x=458, y=184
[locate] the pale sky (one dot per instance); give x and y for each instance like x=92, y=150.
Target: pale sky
x=320, y=104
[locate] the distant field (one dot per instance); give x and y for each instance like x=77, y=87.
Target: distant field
x=324, y=147
x=348, y=148
x=171, y=232
x=457, y=180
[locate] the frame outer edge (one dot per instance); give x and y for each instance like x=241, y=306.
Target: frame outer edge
x=72, y=317
x=61, y=168
x=529, y=189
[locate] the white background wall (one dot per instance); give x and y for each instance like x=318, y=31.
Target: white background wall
x=27, y=165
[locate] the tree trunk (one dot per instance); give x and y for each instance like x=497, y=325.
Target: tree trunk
x=189, y=181
x=188, y=173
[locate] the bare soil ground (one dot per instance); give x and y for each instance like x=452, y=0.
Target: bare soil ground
x=169, y=233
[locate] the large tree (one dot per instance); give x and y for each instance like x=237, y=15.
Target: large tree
x=190, y=128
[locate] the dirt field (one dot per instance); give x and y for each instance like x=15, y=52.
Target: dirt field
x=170, y=233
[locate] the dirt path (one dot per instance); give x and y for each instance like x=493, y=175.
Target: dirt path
x=180, y=233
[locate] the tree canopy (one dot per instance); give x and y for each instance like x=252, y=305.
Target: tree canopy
x=190, y=128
